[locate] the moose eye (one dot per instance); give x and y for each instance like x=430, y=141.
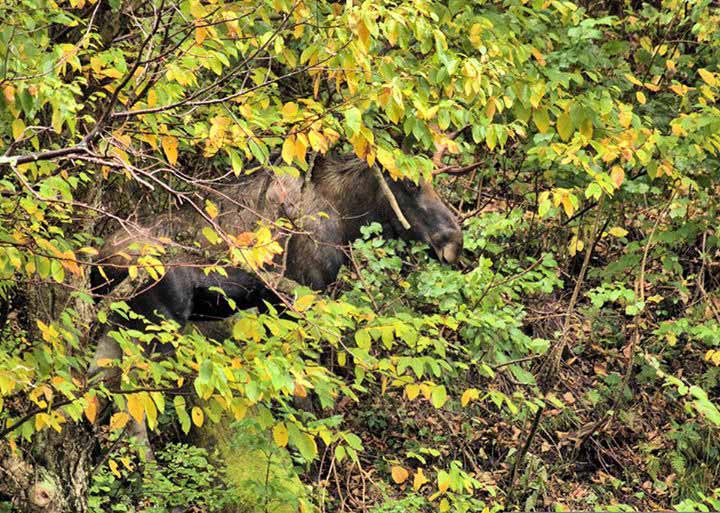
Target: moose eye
x=410, y=186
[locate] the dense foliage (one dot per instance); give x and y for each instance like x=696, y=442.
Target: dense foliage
x=570, y=361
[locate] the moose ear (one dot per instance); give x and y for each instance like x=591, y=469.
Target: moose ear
x=277, y=193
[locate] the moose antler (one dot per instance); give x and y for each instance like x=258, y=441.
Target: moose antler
x=390, y=197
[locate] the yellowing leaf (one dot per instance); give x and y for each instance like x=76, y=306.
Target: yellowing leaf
x=586, y=128
x=150, y=410
x=136, y=407
x=198, y=417
x=288, y=149
x=9, y=94
x=114, y=468
x=575, y=245
x=625, y=118
x=280, y=434
x=412, y=391
x=399, y=474
x=438, y=396
x=170, y=147
x=18, y=128
x=200, y=34
x=419, y=479
x=680, y=89
x=568, y=204
x=632, y=79
x=443, y=481
x=618, y=231
x=289, y=110
x=641, y=97
x=541, y=120
x=564, y=126
x=119, y=420
x=304, y=302
x=708, y=77
x=211, y=209
x=91, y=408
x=617, y=175
x=468, y=395
x=299, y=390
x=538, y=56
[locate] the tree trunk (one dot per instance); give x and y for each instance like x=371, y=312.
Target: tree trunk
x=55, y=477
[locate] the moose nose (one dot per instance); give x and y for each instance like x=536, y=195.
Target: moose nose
x=448, y=246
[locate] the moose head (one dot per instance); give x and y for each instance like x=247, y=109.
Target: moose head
x=407, y=210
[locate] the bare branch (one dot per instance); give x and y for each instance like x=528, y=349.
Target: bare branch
x=390, y=197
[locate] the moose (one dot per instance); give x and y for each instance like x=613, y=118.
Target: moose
x=325, y=213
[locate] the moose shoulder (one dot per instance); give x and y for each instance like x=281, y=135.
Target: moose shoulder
x=325, y=213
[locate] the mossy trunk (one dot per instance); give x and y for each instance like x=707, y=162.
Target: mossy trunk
x=55, y=476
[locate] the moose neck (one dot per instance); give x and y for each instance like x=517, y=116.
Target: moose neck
x=352, y=191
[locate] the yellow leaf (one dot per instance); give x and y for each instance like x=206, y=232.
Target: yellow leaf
x=91, y=408
x=289, y=110
x=641, y=97
x=412, y=391
x=170, y=147
x=280, y=434
x=114, y=468
x=625, y=118
x=538, y=56
x=567, y=204
x=119, y=420
x=680, y=89
x=9, y=94
x=197, y=416
x=617, y=175
x=136, y=407
x=708, y=77
x=301, y=146
x=468, y=395
x=288, y=149
x=18, y=128
x=317, y=141
x=211, y=209
x=104, y=362
x=363, y=33
x=419, y=479
x=302, y=303
x=399, y=474
x=200, y=34
x=41, y=420
x=575, y=245
x=151, y=98
x=652, y=87
x=150, y=410
x=299, y=390
x=69, y=262
x=618, y=231
x=632, y=79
